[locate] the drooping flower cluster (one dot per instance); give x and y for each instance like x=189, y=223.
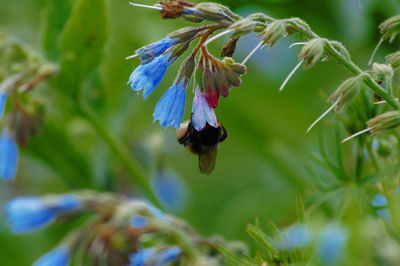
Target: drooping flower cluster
x=145, y=234
x=21, y=122
x=213, y=77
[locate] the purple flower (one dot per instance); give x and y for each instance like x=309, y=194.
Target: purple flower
x=152, y=256
x=202, y=113
x=26, y=214
x=169, y=110
x=149, y=52
x=58, y=256
x=3, y=98
x=8, y=156
x=148, y=76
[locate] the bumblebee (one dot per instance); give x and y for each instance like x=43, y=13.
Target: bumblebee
x=202, y=143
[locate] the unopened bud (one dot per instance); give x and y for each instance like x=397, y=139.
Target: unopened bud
x=172, y=9
x=199, y=77
x=274, y=32
x=382, y=72
x=296, y=24
x=229, y=49
x=212, y=94
x=238, y=68
x=210, y=11
x=394, y=59
x=383, y=122
x=177, y=50
x=184, y=34
x=386, y=147
x=222, y=82
x=243, y=27
x=346, y=92
x=390, y=28
x=312, y=51
x=233, y=78
x=186, y=70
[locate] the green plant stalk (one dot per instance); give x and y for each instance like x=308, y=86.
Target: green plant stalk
x=352, y=67
x=131, y=165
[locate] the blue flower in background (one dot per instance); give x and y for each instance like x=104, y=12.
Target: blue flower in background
x=170, y=108
x=3, y=98
x=26, y=214
x=148, y=76
x=332, y=244
x=149, y=52
x=380, y=202
x=202, y=113
x=150, y=256
x=56, y=257
x=170, y=190
x=156, y=212
x=296, y=236
x=138, y=221
x=8, y=156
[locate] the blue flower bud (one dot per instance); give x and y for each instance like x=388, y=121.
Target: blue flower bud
x=332, y=244
x=8, y=156
x=141, y=257
x=170, y=108
x=153, y=50
x=58, y=256
x=26, y=214
x=152, y=256
x=138, y=221
x=3, y=98
x=170, y=190
x=296, y=236
x=202, y=113
x=148, y=76
x=379, y=200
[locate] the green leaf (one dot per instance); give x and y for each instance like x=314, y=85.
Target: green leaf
x=82, y=42
x=261, y=238
x=301, y=214
x=54, y=16
x=230, y=257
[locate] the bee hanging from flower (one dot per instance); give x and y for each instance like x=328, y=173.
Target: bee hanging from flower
x=213, y=77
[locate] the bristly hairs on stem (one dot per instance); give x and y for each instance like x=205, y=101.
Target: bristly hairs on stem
x=219, y=35
x=290, y=75
x=297, y=43
x=259, y=45
x=375, y=51
x=131, y=56
x=356, y=134
x=145, y=6
x=323, y=115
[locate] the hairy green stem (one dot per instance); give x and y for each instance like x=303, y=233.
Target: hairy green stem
x=352, y=67
x=120, y=150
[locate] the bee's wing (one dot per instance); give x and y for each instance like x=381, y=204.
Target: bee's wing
x=207, y=161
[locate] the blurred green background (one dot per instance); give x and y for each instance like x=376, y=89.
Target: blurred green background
x=262, y=165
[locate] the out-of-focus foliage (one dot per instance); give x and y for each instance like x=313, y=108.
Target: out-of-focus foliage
x=263, y=165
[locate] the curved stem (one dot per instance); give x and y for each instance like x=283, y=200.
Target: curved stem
x=352, y=67
x=120, y=150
